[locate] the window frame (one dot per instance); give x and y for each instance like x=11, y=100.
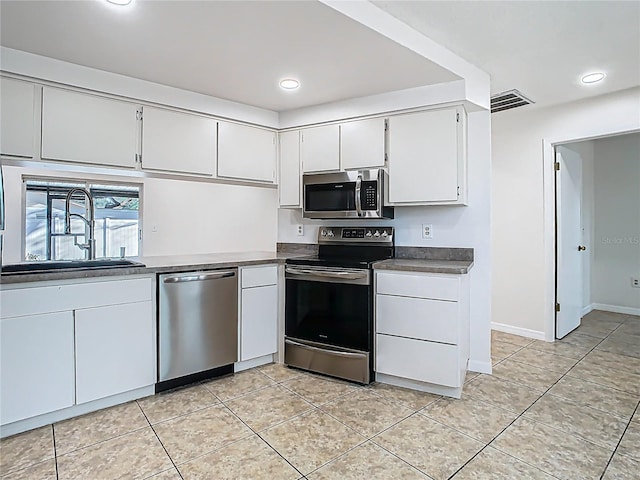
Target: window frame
x=85, y=183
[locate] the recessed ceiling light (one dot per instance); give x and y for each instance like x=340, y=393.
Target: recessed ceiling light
x=593, y=77
x=120, y=2
x=289, y=83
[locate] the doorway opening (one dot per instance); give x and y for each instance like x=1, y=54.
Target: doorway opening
x=597, y=234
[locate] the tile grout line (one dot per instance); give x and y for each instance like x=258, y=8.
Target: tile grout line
x=55, y=453
x=159, y=441
x=265, y=441
x=620, y=440
x=525, y=411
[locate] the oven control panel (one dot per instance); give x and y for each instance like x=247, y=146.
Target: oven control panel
x=355, y=234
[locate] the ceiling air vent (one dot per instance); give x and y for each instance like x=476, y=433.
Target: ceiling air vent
x=508, y=100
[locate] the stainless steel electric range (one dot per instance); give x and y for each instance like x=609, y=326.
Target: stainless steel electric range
x=329, y=302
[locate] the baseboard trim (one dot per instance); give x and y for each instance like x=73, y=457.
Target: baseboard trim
x=523, y=332
x=587, y=310
x=254, y=362
x=615, y=309
x=480, y=367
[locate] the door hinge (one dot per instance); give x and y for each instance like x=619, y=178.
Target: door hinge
x=386, y=157
x=458, y=190
x=140, y=234
x=557, y=166
x=457, y=118
x=301, y=137
x=138, y=114
x=557, y=307
x=386, y=124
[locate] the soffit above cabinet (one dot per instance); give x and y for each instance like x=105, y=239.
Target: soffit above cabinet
x=233, y=50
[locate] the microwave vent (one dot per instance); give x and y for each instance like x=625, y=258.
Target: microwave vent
x=508, y=100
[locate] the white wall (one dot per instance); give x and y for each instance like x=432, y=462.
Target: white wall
x=616, y=252
x=189, y=217
x=519, y=242
x=453, y=226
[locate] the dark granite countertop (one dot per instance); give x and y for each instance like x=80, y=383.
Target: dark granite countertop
x=456, y=267
x=159, y=264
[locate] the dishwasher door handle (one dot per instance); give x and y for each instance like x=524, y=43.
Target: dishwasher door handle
x=200, y=278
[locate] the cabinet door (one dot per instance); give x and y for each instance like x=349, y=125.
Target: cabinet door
x=36, y=365
x=320, y=148
x=362, y=143
x=259, y=322
x=246, y=153
x=423, y=157
x=289, y=184
x=178, y=142
x=115, y=350
x=85, y=128
x=16, y=118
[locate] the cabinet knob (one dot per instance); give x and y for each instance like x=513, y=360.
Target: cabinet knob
x=581, y=248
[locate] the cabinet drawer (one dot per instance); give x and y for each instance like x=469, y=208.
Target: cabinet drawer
x=419, y=318
x=418, y=360
x=414, y=285
x=56, y=298
x=259, y=276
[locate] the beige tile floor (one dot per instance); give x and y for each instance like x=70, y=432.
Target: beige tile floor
x=567, y=410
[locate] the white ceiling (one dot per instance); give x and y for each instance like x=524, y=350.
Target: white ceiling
x=235, y=50
x=238, y=50
x=541, y=48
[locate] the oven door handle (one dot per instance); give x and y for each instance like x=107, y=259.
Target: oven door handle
x=358, y=199
x=337, y=353
x=327, y=274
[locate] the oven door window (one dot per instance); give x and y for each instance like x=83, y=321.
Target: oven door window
x=331, y=313
x=330, y=197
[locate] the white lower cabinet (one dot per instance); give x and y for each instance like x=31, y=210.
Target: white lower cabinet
x=258, y=311
x=114, y=351
x=36, y=365
x=63, y=345
x=422, y=330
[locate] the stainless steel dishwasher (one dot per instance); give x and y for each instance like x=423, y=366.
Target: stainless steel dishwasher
x=198, y=326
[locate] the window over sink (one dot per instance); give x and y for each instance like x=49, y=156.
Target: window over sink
x=116, y=213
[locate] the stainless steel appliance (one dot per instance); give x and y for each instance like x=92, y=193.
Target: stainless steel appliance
x=329, y=302
x=198, y=326
x=352, y=194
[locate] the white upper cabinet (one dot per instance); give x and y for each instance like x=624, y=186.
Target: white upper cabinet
x=289, y=184
x=362, y=144
x=320, y=148
x=179, y=142
x=77, y=127
x=16, y=118
x=246, y=153
x=426, y=156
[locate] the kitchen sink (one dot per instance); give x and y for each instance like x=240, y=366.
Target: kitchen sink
x=55, y=266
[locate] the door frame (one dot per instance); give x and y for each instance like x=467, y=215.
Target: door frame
x=549, y=217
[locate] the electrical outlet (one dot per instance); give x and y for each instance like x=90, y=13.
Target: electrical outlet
x=635, y=282
x=427, y=230
x=300, y=229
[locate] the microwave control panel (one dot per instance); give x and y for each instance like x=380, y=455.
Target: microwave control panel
x=369, y=195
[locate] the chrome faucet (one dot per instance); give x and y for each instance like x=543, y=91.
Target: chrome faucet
x=90, y=246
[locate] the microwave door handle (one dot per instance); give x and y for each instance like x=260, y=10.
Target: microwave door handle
x=358, y=199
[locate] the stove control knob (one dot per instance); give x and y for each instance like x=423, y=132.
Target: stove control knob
x=385, y=234
x=377, y=234
x=323, y=233
x=369, y=234
x=329, y=233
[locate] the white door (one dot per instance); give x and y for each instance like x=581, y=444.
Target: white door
x=289, y=184
x=362, y=143
x=320, y=149
x=569, y=247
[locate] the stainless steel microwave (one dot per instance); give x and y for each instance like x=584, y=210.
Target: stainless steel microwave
x=353, y=194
